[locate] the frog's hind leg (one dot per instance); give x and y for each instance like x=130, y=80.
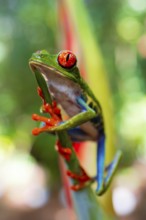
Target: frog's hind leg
x=102, y=180
x=100, y=164
x=78, y=135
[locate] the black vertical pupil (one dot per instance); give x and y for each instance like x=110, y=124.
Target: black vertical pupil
x=67, y=57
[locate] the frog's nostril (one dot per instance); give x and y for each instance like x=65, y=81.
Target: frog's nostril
x=38, y=51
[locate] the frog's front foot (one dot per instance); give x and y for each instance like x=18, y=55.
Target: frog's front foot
x=49, y=123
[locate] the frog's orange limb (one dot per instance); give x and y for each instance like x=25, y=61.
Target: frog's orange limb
x=54, y=112
x=64, y=151
x=82, y=179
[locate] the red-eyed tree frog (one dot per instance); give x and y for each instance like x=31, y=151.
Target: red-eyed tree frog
x=72, y=93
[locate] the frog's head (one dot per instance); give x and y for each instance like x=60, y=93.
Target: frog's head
x=54, y=66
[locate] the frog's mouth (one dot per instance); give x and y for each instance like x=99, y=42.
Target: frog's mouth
x=60, y=86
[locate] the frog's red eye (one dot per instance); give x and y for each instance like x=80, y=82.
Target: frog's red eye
x=67, y=59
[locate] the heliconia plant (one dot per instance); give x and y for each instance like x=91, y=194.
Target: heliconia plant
x=78, y=186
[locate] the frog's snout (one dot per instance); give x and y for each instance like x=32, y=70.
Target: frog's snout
x=36, y=55
x=39, y=54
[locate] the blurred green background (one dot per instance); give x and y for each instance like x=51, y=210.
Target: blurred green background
x=30, y=25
